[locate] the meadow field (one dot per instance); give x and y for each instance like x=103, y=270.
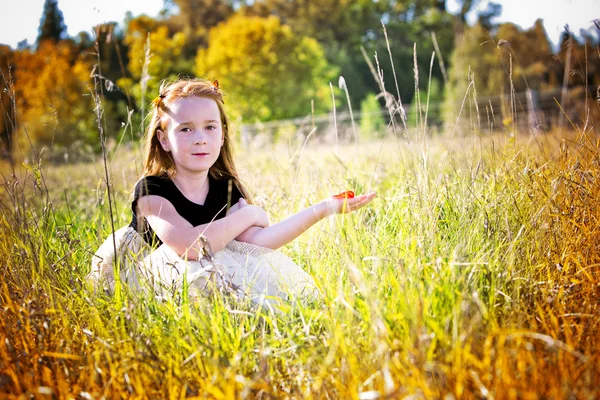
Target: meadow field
x=475, y=273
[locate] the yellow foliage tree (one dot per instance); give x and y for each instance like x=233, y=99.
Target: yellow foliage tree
x=511, y=60
x=530, y=52
x=266, y=71
x=53, y=96
x=150, y=65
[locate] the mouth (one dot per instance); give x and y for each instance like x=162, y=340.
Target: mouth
x=200, y=154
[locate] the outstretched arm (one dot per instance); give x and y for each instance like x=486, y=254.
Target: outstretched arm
x=281, y=233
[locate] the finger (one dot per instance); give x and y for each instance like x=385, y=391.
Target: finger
x=368, y=198
x=233, y=208
x=361, y=201
x=242, y=202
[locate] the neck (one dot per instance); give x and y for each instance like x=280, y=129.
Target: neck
x=194, y=186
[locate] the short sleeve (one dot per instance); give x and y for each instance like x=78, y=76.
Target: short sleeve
x=235, y=194
x=148, y=185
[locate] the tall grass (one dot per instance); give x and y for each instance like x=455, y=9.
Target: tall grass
x=477, y=277
x=474, y=274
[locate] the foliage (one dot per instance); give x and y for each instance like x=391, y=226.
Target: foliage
x=530, y=52
x=493, y=71
x=266, y=70
x=53, y=96
x=195, y=17
x=311, y=43
x=343, y=27
x=7, y=117
x=426, y=105
x=154, y=55
x=346, y=21
x=477, y=71
x=372, y=122
x=52, y=25
x=484, y=17
x=403, y=34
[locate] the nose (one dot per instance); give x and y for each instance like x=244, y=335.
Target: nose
x=200, y=137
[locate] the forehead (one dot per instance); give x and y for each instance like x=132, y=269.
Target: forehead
x=194, y=109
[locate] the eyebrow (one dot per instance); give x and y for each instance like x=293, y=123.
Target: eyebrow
x=191, y=123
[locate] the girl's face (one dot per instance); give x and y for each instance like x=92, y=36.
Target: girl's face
x=194, y=134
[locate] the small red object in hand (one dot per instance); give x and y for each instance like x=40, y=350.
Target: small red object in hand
x=348, y=194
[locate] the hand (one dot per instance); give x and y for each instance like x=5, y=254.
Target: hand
x=235, y=207
x=261, y=218
x=259, y=215
x=347, y=205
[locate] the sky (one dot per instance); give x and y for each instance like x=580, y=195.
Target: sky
x=20, y=19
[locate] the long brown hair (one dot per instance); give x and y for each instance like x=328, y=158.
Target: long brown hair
x=160, y=162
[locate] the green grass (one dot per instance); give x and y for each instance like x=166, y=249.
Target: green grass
x=475, y=273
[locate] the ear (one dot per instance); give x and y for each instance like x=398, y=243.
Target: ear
x=162, y=138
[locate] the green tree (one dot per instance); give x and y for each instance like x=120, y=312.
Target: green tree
x=484, y=17
x=342, y=27
x=266, y=70
x=476, y=71
x=196, y=17
x=52, y=25
x=512, y=59
x=419, y=108
x=372, y=122
x=403, y=33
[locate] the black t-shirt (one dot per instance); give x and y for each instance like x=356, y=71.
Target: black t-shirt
x=216, y=203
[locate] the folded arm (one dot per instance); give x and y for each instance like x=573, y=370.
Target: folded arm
x=177, y=233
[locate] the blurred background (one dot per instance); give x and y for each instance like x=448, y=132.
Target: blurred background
x=293, y=68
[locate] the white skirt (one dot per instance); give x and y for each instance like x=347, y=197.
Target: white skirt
x=242, y=269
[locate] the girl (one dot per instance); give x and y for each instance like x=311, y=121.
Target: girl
x=191, y=203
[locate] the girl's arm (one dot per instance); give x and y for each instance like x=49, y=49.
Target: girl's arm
x=177, y=233
x=281, y=233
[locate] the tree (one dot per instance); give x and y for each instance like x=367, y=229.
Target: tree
x=477, y=71
x=196, y=17
x=340, y=26
x=52, y=25
x=266, y=71
x=53, y=98
x=148, y=66
x=484, y=17
x=7, y=120
x=530, y=52
x=511, y=60
x=418, y=112
x=372, y=123
x=109, y=56
x=403, y=33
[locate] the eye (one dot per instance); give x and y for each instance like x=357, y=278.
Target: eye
x=211, y=127
x=185, y=129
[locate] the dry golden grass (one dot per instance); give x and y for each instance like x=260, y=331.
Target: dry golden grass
x=475, y=274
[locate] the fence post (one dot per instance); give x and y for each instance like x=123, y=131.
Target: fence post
x=532, y=105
